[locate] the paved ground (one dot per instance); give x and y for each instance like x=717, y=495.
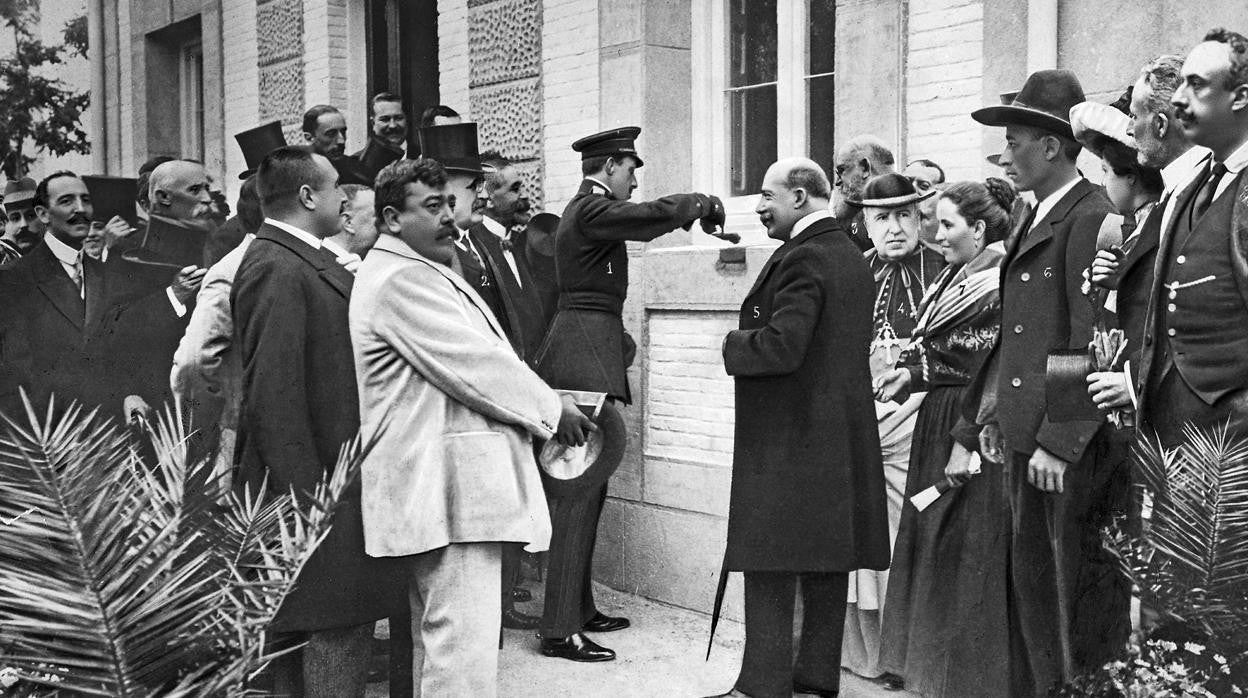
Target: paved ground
x=662, y=654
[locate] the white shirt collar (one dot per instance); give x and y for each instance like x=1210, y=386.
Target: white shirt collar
x=1237, y=160
x=1185, y=167
x=808, y=220
x=65, y=254
x=494, y=227
x=599, y=183
x=335, y=248
x=300, y=233
x=1045, y=205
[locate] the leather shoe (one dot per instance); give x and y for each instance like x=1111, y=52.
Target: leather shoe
x=799, y=687
x=891, y=681
x=605, y=624
x=734, y=693
x=576, y=647
x=521, y=595
x=515, y=620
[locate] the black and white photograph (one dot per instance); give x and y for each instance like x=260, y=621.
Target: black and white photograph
x=624, y=348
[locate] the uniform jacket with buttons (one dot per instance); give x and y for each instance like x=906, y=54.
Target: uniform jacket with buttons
x=1043, y=308
x=452, y=406
x=1199, y=363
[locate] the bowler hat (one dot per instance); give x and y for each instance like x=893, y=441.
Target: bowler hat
x=1094, y=123
x=377, y=154
x=112, y=196
x=1043, y=102
x=258, y=142
x=168, y=243
x=453, y=145
x=570, y=470
x=890, y=190
x=616, y=141
x=19, y=193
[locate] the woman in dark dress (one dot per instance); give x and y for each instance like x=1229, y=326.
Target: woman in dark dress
x=944, y=624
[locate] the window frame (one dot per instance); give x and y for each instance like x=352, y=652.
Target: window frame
x=709, y=44
x=191, y=97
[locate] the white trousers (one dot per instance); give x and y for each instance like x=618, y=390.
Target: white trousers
x=456, y=600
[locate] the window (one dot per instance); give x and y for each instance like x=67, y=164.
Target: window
x=763, y=88
x=191, y=84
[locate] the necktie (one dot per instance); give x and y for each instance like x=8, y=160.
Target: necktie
x=1207, y=192
x=77, y=275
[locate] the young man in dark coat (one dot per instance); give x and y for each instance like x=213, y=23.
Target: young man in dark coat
x=1061, y=472
x=807, y=502
x=299, y=406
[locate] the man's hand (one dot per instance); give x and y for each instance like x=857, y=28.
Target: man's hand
x=1109, y=390
x=992, y=443
x=1046, y=472
x=116, y=229
x=186, y=284
x=1105, y=266
x=573, y=424
x=137, y=410
x=894, y=385
x=959, y=470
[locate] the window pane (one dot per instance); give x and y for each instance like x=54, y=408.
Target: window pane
x=752, y=118
x=822, y=46
x=752, y=28
x=820, y=121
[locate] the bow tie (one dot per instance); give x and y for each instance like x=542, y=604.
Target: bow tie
x=507, y=244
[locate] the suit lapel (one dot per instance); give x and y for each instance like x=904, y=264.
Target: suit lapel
x=96, y=292
x=492, y=256
x=326, y=267
x=57, y=287
x=1043, y=231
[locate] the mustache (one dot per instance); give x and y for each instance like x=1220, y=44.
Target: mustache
x=78, y=218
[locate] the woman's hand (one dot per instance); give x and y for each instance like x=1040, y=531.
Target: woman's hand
x=962, y=466
x=1105, y=266
x=894, y=385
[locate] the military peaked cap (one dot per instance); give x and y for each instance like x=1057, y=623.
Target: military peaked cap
x=617, y=141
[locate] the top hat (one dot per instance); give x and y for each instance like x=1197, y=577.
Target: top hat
x=616, y=141
x=377, y=154
x=258, y=142
x=168, y=243
x=570, y=470
x=453, y=145
x=1094, y=124
x=112, y=196
x=1044, y=102
x=890, y=190
x=19, y=193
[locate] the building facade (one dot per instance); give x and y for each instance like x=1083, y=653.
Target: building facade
x=721, y=88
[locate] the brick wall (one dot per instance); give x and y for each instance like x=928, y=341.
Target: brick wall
x=570, y=88
x=453, y=64
x=241, y=83
x=325, y=65
x=944, y=84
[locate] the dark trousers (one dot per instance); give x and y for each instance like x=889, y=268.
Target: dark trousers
x=400, y=658
x=768, y=669
x=333, y=663
x=1069, y=605
x=511, y=572
x=569, y=591
x=1172, y=406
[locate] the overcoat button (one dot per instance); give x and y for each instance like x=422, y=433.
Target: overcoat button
x=1017, y=382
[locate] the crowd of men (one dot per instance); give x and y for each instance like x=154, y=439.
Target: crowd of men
x=907, y=332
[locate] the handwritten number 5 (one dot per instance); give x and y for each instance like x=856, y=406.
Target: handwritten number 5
x=756, y=313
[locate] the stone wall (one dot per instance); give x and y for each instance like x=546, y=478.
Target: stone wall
x=241, y=83
x=570, y=91
x=279, y=34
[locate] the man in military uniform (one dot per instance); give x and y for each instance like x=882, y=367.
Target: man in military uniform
x=587, y=349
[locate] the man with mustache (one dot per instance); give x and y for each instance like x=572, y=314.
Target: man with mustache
x=325, y=132
x=22, y=227
x=862, y=158
x=75, y=328
x=388, y=141
x=1194, y=366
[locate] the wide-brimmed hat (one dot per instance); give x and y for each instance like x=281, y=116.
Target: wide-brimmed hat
x=168, y=243
x=453, y=145
x=258, y=142
x=1043, y=102
x=1094, y=123
x=112, y=196
x=571, y=470
x=890, y=190
x=19, y=194
x=540, y=235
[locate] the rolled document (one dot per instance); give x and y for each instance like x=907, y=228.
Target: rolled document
x=927, y=497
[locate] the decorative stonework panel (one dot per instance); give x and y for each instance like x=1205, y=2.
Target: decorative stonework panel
x=509, y=118
x=504, y=41
x=279, y=33
x=531, y=175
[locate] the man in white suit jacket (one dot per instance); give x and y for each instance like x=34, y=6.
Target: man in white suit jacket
x=454, y=411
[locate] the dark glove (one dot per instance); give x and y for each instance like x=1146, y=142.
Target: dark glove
x=715, y=217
